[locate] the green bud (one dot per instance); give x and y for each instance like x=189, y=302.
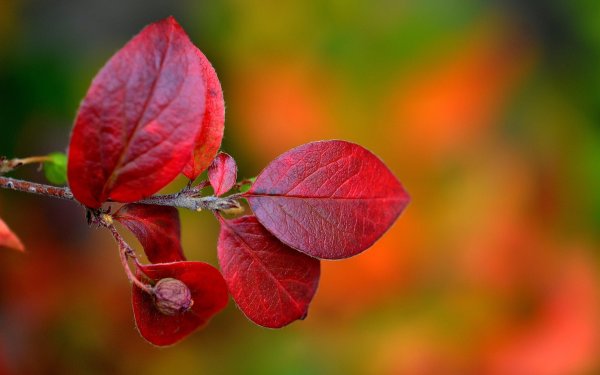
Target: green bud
x=55, y=168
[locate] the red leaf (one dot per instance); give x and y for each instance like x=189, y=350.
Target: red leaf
x=209, y=295
x=209, y=137
x=271, y=283
x=135, y=128
x=157, y=228
x=328, y=199
x=222, y=173
x=9, y=239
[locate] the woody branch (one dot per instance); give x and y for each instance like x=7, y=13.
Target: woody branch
x=187, y=198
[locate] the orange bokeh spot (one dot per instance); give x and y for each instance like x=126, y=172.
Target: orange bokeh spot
x=281, y=106
x=448, y=103
x=562, y=334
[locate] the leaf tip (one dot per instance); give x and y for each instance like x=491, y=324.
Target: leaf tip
x=170, y=20
x=9, y=239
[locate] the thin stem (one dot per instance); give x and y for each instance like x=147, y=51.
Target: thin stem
x=35, y=188
x=247, y=181
x=8, y=165
x=191, y=202
x=200, y=186
x=184, y=199
x=125, y=253
x=34, y=159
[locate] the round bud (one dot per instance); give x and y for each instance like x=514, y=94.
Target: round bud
x=172, y=297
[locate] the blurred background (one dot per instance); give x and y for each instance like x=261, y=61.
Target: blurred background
x=487, y=111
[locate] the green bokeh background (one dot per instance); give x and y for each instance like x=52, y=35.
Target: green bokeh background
x=488, y=112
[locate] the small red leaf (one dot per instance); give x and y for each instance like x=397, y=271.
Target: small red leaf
x=209, y=137
x=136, y=126
x=9, y=239
x=222, y=173
x=157, y=228
x=271, y=283
x=209, y=296
x=328, y=199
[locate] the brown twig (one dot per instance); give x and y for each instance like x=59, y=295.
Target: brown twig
x=184, y=199
x=8, y=165
x=36, y=188
x=125, y=252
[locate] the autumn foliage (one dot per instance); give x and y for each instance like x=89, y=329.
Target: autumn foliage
x=156, y=111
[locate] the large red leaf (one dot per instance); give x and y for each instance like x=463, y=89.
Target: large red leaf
x=136, y=126
x=209, y=137
x=209, y=296
x=157, y=228
x=328, y=199
x=222, y=173
x=270, y=282
x=9, y=239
